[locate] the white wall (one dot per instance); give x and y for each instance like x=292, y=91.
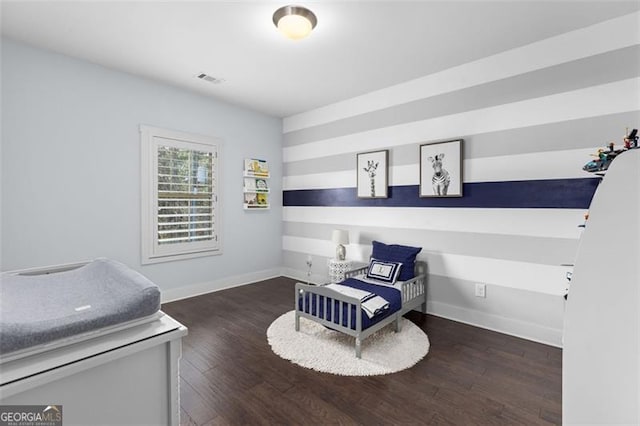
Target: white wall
x=530, y=118
x=71, y=170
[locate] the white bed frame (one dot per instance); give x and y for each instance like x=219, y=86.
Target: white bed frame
x=121, y=375
x=414, y=294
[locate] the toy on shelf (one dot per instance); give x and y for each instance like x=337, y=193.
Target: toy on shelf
x=602, y=161
x=604, y=157
x=631, y=140
x=586, y=218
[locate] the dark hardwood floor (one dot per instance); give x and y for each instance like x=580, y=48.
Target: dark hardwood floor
x=229, y=376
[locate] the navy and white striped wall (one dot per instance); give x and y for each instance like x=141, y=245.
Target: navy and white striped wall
x=530, y=118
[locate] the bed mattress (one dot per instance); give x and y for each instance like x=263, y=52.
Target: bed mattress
x=38, y=309
x=388, y=292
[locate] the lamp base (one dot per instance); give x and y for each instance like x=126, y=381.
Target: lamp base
x=341, y=252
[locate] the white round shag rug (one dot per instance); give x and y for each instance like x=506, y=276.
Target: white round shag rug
x=321, y=349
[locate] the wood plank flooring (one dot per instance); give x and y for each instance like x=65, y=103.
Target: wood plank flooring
x=229, y=376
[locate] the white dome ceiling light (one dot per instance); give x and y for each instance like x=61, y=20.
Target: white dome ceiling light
x=295, y=22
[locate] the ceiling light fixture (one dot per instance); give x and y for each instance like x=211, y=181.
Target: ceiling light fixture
x=295, y=22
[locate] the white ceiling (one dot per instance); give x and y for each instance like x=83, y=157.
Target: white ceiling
x=357, y=47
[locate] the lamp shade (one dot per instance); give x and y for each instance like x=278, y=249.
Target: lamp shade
x=340, y=236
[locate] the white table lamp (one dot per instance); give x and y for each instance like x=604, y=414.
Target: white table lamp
x=340, y=237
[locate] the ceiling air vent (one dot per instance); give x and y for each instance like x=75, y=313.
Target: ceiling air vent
x=210, y=79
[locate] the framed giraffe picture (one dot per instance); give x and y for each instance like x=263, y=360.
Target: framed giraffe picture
x=372, y=171
x=441, y=169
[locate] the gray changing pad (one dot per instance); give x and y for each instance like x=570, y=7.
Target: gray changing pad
x=42, y=308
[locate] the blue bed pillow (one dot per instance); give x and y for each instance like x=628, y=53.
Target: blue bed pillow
x=398, y=253
x=386, y=272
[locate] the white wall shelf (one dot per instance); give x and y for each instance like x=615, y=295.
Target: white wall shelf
x=256, y=175
x=256, y=184
x=257, y=207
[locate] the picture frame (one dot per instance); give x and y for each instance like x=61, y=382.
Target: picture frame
x=372, y=170
x=441, y=169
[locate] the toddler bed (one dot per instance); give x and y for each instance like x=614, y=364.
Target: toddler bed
x=360, y=306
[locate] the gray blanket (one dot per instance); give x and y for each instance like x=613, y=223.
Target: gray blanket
x=42, y=308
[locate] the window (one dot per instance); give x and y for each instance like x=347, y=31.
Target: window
x=180, y=179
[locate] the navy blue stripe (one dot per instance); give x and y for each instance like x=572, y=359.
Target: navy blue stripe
x=550, y=193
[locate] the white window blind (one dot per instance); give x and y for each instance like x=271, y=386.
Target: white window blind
x=180, y=217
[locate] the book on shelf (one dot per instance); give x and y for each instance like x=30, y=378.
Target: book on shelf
x=261, y=185
x=254, y=200
x=249, y=184
x=256, y=167
x=251, y=199
x=262, y=199
x=256, y=185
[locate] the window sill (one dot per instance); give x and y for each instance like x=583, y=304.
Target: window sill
x=182, y=256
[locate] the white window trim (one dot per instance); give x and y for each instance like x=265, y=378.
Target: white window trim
x=151, y=252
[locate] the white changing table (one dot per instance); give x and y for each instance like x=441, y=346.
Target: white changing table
x=129, y=376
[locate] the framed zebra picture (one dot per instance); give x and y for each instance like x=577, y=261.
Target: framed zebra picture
x=372, y=169
x=441, y=169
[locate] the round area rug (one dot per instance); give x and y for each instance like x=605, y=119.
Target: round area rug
x=329, y=351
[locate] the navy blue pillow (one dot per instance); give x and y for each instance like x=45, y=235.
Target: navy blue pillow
x=397, y=253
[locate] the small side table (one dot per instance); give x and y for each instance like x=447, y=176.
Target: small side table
x=337, y=269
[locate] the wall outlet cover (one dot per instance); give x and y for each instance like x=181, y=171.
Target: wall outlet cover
x=481, y=290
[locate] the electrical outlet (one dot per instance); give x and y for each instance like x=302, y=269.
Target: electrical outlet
x=481, y=290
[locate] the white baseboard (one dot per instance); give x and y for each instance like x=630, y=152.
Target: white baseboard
x=513, y=327
x=192, y=290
